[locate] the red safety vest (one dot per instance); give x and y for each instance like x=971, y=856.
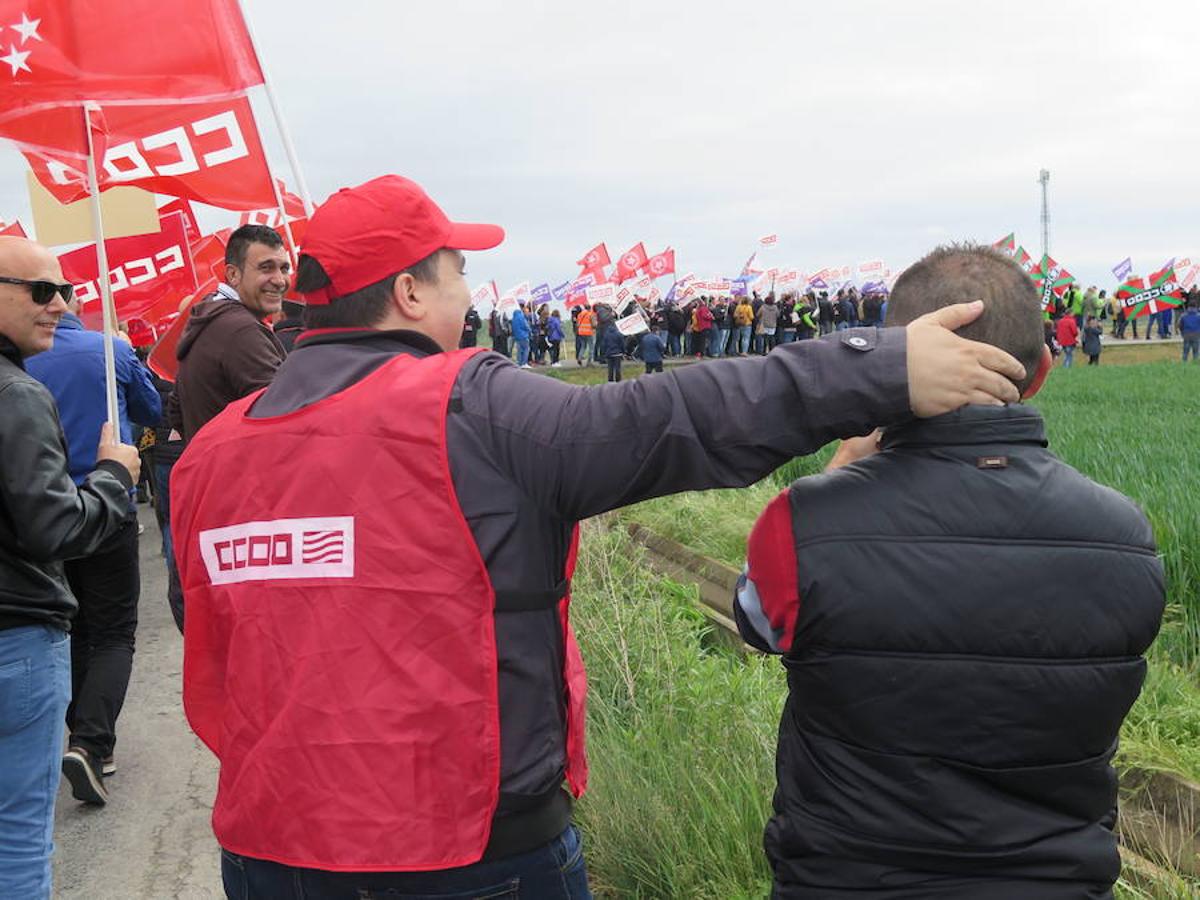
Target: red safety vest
x=340, y=653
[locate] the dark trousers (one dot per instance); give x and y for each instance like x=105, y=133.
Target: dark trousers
x=107, y=585
x=1094, y=360
x=554, y=871
x=555, y=347
x=162, y=512
x=614, y=368
x=653, y=367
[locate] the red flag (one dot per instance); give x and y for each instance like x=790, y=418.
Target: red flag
x=209, y=152
x=660, y=264
x=208, y=256
x=162, y=358
x=596, y=258
x=69, y=51
x=631, y=260
x=13, y=230
x=189, y=217
x=146, y=271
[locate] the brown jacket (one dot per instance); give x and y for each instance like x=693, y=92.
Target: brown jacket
x=225, y=353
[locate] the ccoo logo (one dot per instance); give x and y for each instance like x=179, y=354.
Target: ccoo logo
x=320, y=547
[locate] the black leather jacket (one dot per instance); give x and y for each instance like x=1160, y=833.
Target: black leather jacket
x=44, y=518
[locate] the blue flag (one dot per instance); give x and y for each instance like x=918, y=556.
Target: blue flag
x=560, y=292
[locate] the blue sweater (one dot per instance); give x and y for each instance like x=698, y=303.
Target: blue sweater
x=520, y=326
x=653, y=347
x=73, y=371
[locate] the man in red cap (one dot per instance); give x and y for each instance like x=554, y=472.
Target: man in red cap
x=379, y=652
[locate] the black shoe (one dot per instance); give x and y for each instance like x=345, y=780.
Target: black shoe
x=108, y=766
x=83, y=770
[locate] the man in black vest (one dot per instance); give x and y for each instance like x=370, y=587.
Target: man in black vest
x=962, y=617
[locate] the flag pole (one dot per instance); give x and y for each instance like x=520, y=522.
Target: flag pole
x=106, y=299
x=286, y=135
x=293, y=250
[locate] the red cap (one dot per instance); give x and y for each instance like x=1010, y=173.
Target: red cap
x=363, y=234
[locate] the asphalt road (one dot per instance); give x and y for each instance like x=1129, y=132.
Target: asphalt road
x=153, y=839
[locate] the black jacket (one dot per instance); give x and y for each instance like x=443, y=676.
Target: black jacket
x=963, y=658
x=44, y=518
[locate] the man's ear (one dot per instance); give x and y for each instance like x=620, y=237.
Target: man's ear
x=405, y=299
x=1044, y=365
x=233, y=275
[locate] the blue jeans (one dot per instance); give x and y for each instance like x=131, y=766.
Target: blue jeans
x=673, y=348
x=583, y=355
x=1191, y=343
x=716, y=341
x=162, y=512
x=554, y=871
x=522, y=353
x=1068, y=356
x=35, y=686
x=743, y=339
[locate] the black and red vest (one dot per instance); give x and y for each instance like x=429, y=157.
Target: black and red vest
x=972, y=618
x=339, y=652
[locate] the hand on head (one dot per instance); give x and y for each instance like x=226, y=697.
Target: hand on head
x=946, y=371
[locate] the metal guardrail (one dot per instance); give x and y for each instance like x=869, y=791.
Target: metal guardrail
x=1160, y=811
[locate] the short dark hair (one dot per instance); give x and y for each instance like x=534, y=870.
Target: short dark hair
x=235, y=250
x=959, y=272
x=362, y=308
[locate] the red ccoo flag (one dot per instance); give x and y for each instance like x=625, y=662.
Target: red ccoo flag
x=660, y=264
x=595, y=259
x=69, y=51
x=631, y=260
x=208, y=152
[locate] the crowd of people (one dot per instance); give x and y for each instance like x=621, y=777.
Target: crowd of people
x=713, y=327
x=378, y=646
x=1078, y=319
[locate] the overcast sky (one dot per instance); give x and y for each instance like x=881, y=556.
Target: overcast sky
x=853, y=130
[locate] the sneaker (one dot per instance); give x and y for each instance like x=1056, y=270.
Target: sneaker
x=108, y=766
x=526, y=366
x=84, y=772
x=141, y=528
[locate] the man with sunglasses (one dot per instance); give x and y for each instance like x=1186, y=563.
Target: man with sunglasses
x=44, y=518
x=106, y=583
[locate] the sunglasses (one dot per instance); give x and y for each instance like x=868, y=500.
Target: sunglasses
x=43, y=291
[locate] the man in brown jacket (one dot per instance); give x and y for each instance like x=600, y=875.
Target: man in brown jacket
x=226, y=352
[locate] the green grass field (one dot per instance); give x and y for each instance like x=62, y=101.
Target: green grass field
x=682, y=732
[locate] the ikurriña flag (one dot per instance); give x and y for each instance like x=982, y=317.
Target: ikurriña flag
x=1051, y=280
x=1008, y=244
x=1140, y=299
x=65, y=52
x=1022, y=258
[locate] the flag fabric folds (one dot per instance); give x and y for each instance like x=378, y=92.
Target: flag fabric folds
x=208, y=152
x=1051, y=280
x=660, y=264
x=1008, y=243
x=70, y=51
x=1140, y=299
x=629, y=263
